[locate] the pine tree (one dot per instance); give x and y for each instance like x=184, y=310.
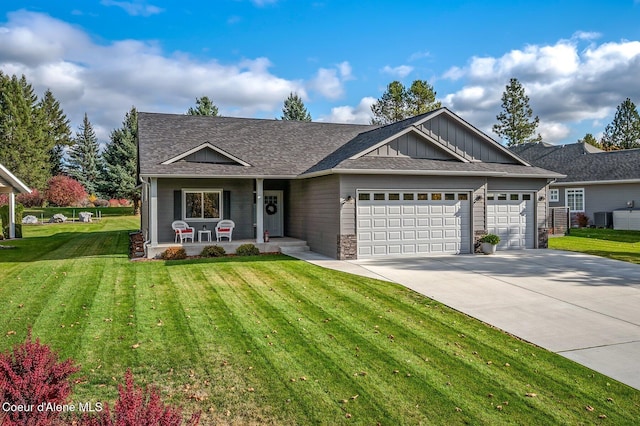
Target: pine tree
x=120, y=160
x=591, y=140
x=294, y=109
x=624, y=131
x=85, y=163
x=22, y=144
x=515, y=122
x=398, y=102
x=57, y=132
x=204, y=106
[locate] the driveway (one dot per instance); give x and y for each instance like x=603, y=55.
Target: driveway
x=583, y=307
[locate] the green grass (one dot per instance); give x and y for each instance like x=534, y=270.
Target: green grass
x=272, y=340
x=619, y=245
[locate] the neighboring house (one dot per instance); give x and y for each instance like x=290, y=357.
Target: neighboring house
x=11, y=185
x=596, y=181
x=431, y=184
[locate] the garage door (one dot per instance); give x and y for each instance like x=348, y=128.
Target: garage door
x=401, y=222
x=510, y=215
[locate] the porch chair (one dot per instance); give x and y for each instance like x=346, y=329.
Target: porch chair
x=224, y=228
x=182, y=230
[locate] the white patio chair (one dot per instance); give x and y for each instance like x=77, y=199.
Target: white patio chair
x=224, y=228
x=182, y=230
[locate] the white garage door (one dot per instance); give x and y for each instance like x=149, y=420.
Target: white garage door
x=402, y=222
x=510, y=215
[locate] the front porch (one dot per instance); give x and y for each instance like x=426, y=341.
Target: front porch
x=282, y=245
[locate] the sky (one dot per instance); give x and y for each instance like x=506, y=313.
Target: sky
x=577, y=60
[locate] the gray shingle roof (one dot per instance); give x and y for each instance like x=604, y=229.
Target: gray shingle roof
x=582, y=162
x=284, y=148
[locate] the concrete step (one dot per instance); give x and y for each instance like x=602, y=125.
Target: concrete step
x=296, y=248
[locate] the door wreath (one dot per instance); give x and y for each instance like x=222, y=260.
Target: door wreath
x=271, y=209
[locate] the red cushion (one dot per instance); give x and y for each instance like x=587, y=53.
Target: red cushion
x=183, y=231
x=224, y=229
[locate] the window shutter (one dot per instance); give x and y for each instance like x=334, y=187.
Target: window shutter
x=226, y=204
x=177, y=205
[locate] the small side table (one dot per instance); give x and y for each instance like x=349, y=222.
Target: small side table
x=203, y=233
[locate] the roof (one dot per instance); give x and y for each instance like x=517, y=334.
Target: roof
x=288, y=149
x=582, y=162
x=16, y=184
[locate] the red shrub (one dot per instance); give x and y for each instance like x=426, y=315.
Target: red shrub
x=4, y=199
x=64, y=191
x=29, y=375
x=35, y=199
x=124, y=202
x=138, y=407
x=114, y=203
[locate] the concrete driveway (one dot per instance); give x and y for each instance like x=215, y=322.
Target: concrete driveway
x=583, y=307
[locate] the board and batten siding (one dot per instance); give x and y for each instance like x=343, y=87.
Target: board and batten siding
x=410, y=145
x=314, y=213
x=241, y=212
x=4, y=184
x=464, y=142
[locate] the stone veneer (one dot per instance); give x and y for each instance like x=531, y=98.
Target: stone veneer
x=477, y=245
x=347, y=247
x=543, y=238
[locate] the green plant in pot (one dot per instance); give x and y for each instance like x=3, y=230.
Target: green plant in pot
x=489, y=243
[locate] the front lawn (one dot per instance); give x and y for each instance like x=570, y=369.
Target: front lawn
x=619, y=245
x=272, y=340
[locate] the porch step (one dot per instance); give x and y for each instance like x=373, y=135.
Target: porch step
x=297, y=248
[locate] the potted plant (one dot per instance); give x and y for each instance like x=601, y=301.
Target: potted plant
x=489, y=243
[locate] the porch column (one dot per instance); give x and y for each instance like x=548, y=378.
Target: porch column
x=153, y=210
x=12, y=215
x=259, y=211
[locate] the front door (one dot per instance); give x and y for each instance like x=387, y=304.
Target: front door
x=273, y=213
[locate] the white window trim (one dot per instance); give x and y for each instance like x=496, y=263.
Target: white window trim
x=554, y=195
x=201, y=190
x=567, y=191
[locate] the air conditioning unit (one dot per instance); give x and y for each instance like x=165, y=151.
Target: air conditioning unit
x=603, y=219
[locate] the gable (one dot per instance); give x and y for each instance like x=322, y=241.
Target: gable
x=465, y=140
x=411, y=145
x=207, y=153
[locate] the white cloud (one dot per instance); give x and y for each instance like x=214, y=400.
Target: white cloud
x=360, y=114
x=586, y=35
x=565, y=84
x=419, y=55
x=400, y=71
x=329, y=82
x=134, y=8
x=105, y=80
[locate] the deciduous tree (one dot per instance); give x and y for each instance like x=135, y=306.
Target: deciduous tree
x=516, y=123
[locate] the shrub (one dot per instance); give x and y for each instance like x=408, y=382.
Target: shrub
x=247, y=250
x=213, y=251
x=4, y=218
x=492, y=239
x=138, y=407
x=31, y=374
x=101, y=203
x=583, y=220
x=124, y=202
x=4, y=199
x=174, y=253
x=63, y=191
x=35, y=199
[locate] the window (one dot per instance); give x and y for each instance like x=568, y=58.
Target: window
x=463, y=197
x=514, y=197
x=575, y=199
x=554, y=195
x=526, y=197
x=423, y=197
x=394, y=196
x=407, y=196
x=491, y=196
x=202, y=204
x=502, y=197
x=364, y=196
x=436, y=196
x=449, y=196
x=378, y=196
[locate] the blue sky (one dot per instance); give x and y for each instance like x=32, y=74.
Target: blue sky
x=578, y=60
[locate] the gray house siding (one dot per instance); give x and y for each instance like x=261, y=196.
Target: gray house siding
x=241, y=193
x=313, y=213
x=603, y=197
x=208, y=155
x=4, y=183
x=410, y=145
x=464, y=142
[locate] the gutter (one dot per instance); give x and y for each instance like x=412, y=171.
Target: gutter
x=595, y=182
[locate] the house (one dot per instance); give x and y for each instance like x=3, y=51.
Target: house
x=430, y=184
x=597, y=182
x=11, y=185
